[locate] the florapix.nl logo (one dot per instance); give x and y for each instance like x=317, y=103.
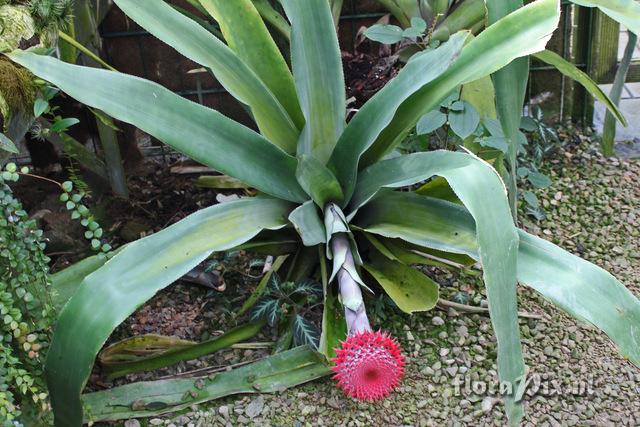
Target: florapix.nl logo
x=531, y=384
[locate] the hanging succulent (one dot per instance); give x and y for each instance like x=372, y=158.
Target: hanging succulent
x=25, y=308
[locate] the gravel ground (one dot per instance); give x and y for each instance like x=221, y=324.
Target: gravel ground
x=593, y=209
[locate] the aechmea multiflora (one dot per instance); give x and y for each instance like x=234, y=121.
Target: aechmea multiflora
x=369, y=365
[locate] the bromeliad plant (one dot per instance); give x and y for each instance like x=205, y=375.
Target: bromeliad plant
x=334, y=184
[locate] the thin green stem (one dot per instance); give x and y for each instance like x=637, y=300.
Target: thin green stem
x=73, y=42
x=41, y=178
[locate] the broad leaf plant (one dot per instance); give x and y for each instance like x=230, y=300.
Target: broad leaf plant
x=332, y=193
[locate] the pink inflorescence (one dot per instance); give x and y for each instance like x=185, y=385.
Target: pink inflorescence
x=369, y=365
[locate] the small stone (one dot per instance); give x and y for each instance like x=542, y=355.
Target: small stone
x=488, y=403
x=132, y=423
x=155, y=421
x=181, y=420
x=333, y=402
x=463, y=331
x=437, y=321
x=428, y=371
x=255, y=407
x=410, y=336
x=224, y=411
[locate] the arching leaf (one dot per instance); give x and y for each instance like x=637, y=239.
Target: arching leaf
x=199, y=45
x=576, y=286
x=317, y=70
x=479, y=187
x=197, y=131
x=108, y=296
x=521, y=33
x=246, y=33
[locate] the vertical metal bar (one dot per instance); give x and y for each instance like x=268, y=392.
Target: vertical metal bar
x=199, y=90
x=353, y=26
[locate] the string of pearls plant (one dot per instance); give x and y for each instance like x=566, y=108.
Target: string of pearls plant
x=26, y=314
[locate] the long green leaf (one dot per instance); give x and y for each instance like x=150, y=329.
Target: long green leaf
x=521, y=33
x=66, y=282
x=570, y=70
x=174, y=355
x=199, y=45
x=197, y=131
x=626, y=12
x=435, y=230
x=609, y=127
x=246, y=33
x=510, y=84
x=379, y=111
x=464, y=17
x=403, y=16
x=145, y=399
x=481, y=190
x=583, y=290
x=106, y=297
x=318, y=181
x=273, y=18
x=317, y=70
x=410, y=289
x=307, y=222
x=578, y=287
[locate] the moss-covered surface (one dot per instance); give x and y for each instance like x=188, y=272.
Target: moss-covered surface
x=17, y=90
x=16, y=25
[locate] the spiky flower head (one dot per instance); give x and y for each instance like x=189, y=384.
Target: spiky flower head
x=369, y=365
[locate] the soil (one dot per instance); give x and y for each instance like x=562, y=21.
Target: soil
x=366, y=74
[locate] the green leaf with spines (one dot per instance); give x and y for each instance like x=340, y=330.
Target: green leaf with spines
x=317, y=71
x=246, y=34
x=494, y=234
